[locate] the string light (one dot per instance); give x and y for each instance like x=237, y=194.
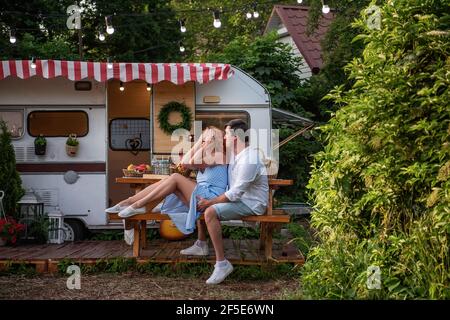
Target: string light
x=299, y=1
x=217, y=22
x=325, y=8
x=148, y=87
x=33, y=63
x=182, y=25
x=216, y=12
x=109, y=26
x=121, y=88
x=182, y=48
x=109, y=65
x=12, y=36
x=255, y=12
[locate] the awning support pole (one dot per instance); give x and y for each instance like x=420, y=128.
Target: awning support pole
x=292, y=136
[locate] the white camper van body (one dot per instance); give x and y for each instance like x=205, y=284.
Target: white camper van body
x=83, y=202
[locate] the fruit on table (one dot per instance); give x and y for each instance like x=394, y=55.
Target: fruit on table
x=139, y=168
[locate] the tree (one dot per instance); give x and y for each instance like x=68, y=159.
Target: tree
x=145, y=30
x=381, y=185
x=202, y=39
x=10, y=181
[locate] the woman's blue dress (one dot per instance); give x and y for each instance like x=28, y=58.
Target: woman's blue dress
x=212, y=182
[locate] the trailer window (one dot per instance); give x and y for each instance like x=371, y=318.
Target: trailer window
x=220, y=118
x=58, y=123
x=129, y=134
x=14, y=122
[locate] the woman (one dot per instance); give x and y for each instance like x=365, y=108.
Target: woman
x=181, y=193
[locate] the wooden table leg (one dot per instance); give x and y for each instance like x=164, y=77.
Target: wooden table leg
x=268, y=242
x=143, y=234
x=262, y=235
x=137, y=240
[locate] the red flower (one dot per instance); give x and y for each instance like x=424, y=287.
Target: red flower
x=9, y=229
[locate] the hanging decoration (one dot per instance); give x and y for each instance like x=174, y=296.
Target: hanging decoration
x=167, y=109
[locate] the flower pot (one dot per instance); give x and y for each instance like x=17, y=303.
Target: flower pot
x=39, y=150
x=71, y=150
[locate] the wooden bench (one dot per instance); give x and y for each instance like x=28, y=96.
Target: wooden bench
x=268, y=221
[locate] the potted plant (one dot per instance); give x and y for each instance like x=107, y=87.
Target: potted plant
x=40, y=145
x=9, y=231
x=72, y=145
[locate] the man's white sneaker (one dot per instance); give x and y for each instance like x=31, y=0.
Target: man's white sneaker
x=195, y=250
x=116, y=208
x=220, y=273
x=130, y=211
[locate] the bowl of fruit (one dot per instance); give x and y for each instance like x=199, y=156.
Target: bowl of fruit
x=136, y=170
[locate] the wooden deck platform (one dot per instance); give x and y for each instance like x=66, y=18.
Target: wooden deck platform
x=47, y=256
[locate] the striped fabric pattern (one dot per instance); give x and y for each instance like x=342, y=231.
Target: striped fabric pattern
x=177, y=73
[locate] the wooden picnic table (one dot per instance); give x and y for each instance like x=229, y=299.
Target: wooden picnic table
x=138, y=222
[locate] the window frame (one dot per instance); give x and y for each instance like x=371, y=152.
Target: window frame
x=249, y=121
x=11, y=109
x=129, y=118
x=62, y=111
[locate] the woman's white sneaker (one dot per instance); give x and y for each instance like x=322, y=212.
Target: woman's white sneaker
x=196, y=250
x=130, y=211
x=115, y=209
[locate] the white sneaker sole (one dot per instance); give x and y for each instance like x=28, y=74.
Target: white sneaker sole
x=194, y=254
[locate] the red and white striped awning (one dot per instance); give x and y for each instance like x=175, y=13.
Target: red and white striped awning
x=177, y=73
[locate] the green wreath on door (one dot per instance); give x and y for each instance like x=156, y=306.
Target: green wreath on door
x=167, y=109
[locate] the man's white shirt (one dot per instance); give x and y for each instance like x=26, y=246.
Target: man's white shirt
x=247, y=180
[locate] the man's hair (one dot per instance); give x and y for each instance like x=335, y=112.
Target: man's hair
x=238, y=124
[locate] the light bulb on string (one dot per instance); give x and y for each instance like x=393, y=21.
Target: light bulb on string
x=217, y=22
x=12, y=36
x=33, y=63
x=255, y=12
x=299, y=1
x=109, y=26
x=248, y=15
x=101, y=36
x=149, y=88
x=182, y=48
x=109, y=64
x=325, y=9
x=121, y=88
x=182, y=26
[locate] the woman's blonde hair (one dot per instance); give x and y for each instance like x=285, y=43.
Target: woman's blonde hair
x=214, y=135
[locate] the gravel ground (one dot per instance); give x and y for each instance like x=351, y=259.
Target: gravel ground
x=138, y=286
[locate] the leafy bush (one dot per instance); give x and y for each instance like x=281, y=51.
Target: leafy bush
x=10, y=181
x=381, y=186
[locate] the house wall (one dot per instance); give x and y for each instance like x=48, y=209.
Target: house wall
x=304, y=70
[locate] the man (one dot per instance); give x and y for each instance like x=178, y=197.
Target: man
x=247, y=194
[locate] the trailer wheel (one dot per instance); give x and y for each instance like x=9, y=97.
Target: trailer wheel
x=74, y=230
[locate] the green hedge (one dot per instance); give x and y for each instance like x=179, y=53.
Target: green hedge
x=381, y=186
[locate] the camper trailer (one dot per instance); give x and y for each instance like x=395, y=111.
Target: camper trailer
x=112, y=110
